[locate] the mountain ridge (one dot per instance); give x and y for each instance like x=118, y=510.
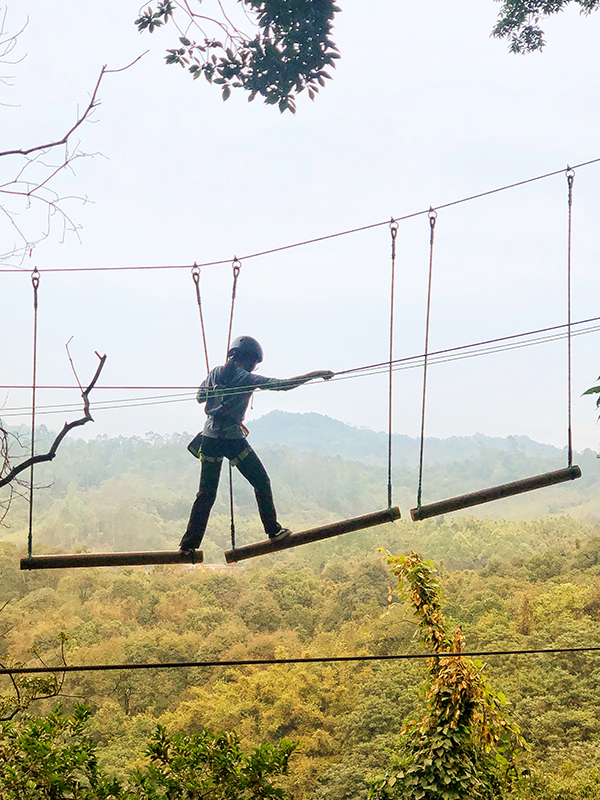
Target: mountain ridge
x=312, y=432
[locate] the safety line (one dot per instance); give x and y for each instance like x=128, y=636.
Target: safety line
x=317, y=239
x=340, y=372
x=465, y=346
x=262, y=662
x=410, y=362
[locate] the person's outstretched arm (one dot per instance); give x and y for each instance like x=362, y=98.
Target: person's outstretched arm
x=285, y=384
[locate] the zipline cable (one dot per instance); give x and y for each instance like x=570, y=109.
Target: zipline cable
x=222, y=262
x=263, y=662
x=432, y=221
x=35, y=282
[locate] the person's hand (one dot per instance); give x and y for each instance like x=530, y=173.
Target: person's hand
x=326, y=374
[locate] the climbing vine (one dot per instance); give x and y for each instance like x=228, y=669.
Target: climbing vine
x=465, y=745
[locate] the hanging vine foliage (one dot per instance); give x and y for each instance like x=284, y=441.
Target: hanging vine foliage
x=465, y=745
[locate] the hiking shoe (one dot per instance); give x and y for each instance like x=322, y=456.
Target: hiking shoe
x=281, y=534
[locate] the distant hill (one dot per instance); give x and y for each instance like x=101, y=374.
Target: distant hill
x=320, y=434
x=135, y=493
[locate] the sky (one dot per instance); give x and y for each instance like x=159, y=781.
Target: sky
x=425, y=108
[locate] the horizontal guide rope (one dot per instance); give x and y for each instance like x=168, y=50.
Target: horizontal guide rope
x=227, y=261
x=409, y=362
x=262, y=662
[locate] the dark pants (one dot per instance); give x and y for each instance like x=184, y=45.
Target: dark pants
x=242, y=456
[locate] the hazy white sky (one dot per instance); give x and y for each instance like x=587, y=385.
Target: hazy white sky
x=425, y=108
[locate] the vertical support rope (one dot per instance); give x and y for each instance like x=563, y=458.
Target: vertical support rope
x=196, y=279
x=570, y=175
x=236, y=267
x=35, y=282
x=394, y=233
x=432, y=218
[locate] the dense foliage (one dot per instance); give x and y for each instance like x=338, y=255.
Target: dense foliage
x=135, y=493
x=465, y=745
x=519, y=21
x=319, y=602
x=290, y=52
x=293, y=47
x=508, y=584
x=54, y=758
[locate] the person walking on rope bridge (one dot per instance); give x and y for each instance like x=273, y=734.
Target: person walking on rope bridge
x=226, y=391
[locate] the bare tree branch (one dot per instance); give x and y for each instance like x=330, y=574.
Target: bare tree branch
x=68, y=426
x=91, y=106
x=27, y=691
x=32, y=186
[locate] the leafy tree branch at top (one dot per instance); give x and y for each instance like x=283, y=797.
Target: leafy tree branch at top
x=291, y=51
x=292, y=48
x=519, y=21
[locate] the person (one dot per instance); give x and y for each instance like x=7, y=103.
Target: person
x=226, y=391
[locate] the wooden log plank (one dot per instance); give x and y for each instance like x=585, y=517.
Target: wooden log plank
x=495, y=493
x=66, y=561
x=312, y=535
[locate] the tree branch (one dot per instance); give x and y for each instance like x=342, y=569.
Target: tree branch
x=68, y=426
x=91, y=106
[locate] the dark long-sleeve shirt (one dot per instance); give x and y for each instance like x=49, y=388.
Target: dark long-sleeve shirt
x=227, y=402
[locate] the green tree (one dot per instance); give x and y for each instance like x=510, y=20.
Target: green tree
x=208, y=764
x=465, y=745
x=293, y=48
x=518, y=21
x=54, y=758
x=291, y=51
